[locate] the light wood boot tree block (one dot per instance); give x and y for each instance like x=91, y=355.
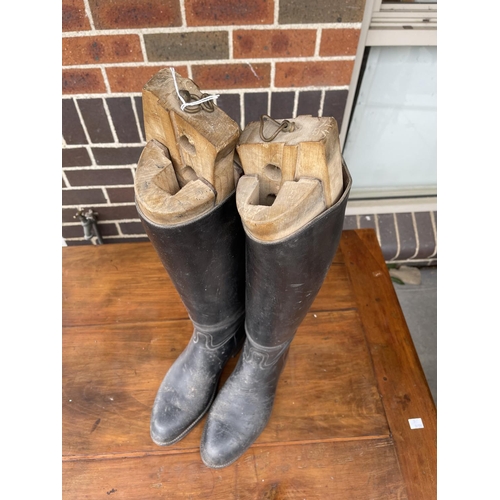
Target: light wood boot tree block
x=187, y=166
x=290, y=179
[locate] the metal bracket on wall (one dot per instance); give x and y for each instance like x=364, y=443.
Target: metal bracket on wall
x=89, y=223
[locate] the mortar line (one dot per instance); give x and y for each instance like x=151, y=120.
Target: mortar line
x=107, y=145
x=183, y=14
x=272, y=78
x=105, y=193
x=82, y=121
x=396, y=228
x=213, y=62
x=101, y=205
x=295, y=104
x=110, y=222
x=230, y=43
x=246, y=90
x=321, y=102
x=66, y=181
x=434, y=229
x=143, y=48
x=417, y=241
x=137, y=121
x=91, y=155
x=105, y=78
x=242, y=110
x=88, y=12
x=99, y=167
x=119, y=228
x=110, y=120
x=319, y=34
x=182, y=29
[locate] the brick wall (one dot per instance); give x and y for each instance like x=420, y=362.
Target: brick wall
x=282, y=57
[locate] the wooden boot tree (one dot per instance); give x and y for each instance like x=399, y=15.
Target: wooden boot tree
x=187, y=166
x=293, y=172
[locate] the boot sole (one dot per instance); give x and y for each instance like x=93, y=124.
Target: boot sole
x=208, y=464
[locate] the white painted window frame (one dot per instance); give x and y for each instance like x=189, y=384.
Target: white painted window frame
x=410, y=24
x=390, y=24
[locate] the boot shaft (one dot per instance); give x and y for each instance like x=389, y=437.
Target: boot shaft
x=205, y=259
x=283, y=277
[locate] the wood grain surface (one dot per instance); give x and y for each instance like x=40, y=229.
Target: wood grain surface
x=200, y=145
x=339, y=428
x=351, y=470
x=400, y=377
x=126, y=282
x=291, y=179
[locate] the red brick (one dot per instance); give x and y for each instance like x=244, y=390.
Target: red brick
x=273, y=43
x=134, y=79
x=311, y=73
x=82, y=81
x=112, y=14
x=341, y=42
x=74, y=17
x=101, y=49
x=229, y=12
x=232, y=76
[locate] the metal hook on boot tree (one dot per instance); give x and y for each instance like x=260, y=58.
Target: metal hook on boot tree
x=188, y=98
x=191, y=103
x=284, y=126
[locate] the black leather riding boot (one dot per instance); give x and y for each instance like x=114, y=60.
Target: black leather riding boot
x=205, y=259
x=282, y=280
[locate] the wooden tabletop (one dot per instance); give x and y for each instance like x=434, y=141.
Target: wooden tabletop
x=340, y=427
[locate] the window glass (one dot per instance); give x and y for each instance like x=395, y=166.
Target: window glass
x=391, y=140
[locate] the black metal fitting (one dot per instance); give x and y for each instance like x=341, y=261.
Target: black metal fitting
x=89, y=224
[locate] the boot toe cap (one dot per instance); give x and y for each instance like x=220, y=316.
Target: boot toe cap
x=219, y=446
x=169, y=425
x=223, y=443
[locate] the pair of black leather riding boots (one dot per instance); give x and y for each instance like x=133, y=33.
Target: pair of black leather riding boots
x=239, y=292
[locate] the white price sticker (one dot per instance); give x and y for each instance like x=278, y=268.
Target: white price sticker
x=416, y=423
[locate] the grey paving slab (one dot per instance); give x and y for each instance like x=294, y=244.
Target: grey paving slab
x=419, y=304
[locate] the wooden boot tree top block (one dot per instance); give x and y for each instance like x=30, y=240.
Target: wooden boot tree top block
x=290, y=179
x=157, y=191
x=200, y=144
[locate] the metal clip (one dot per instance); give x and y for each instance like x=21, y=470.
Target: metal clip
x=284, y=126
x=208, y=106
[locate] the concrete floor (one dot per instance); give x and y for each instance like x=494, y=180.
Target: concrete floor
x=419, y=304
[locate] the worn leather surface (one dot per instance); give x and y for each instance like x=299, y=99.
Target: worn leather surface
x=189, y=386
x=282, y=280
x=205, y=260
